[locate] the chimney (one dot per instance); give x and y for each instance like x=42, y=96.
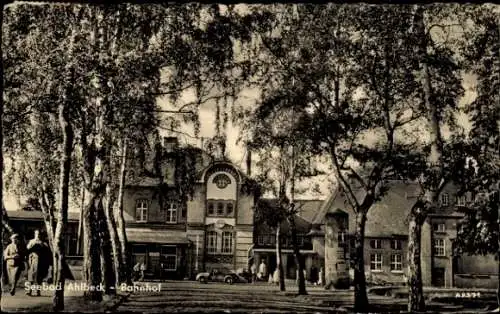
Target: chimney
x=170, y=143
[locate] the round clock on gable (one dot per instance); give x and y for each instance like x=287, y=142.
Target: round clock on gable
x=221, y=180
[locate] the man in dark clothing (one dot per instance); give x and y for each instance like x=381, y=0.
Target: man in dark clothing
x=13, y=256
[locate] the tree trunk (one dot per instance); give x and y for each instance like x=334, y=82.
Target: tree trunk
x=298, y=257
x=107, y=270
x=416, y=302
x=125, y=276
x=1, y=157
x=59, y=252
x=293, y=228
x=113, y=235
x=279, y=264
x=80, y=223
x=433, y=185
x=91, y=258
x=360, y=297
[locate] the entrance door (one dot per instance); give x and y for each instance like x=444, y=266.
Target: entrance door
x=168, y=261
x=438, y=277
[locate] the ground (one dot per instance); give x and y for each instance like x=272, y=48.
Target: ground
x=193, y=297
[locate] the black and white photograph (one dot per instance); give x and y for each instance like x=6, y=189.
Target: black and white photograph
x=204, y=157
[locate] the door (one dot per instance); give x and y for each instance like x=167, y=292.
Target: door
x=438, y=277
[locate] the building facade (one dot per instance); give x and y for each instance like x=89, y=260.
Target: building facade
x=386, y=239
x=177, y=237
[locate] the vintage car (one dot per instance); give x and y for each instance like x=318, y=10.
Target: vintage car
x=230, y=277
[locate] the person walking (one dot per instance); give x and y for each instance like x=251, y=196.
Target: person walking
x=13, y=257
x=137, y=271
x=143, y=270
x=36, y=271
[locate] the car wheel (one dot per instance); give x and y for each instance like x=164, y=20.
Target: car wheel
x=202, y=280
x=229, y=280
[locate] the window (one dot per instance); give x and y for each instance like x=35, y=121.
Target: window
x=445, y=198
x=439, y=227
x=341, y=239
x=439, y=249
x=396, y=262
x=71, y=245
x=212, y=242
x=169, y=258
x=396, y=244
x=220, y=209
x=260, y=240
x=171, y=213
x=139, y=253
x=141, y=211
x=229, y=209
x=221, y=181
x=376, y=262
x=461, y=200
x=227, y=242
x=211, y=210
x=376, y=244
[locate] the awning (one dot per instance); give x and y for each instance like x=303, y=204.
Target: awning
x=160, y=237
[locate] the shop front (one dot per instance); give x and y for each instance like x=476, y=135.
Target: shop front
x=165, y=256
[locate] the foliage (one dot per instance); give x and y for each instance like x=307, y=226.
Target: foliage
x=478, y=233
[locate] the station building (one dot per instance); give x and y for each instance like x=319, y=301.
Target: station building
x=214, y=228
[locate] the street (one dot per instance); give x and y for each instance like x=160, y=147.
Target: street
x=175, y=297
x=194, y=297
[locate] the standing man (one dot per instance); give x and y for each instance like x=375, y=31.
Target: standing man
x=36, y=263
x=253, y=270
x=263, y=270
x=13, y=256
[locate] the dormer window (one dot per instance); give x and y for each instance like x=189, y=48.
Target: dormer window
x=445, y=199
x=141, y=211
x=461, y=200
x=439, y=227
x=376, y=244
x=171, y=213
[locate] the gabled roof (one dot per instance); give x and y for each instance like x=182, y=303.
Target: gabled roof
x=308, y=209
x=302, y=225
x=387, y=217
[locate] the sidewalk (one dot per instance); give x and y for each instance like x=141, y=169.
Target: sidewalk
x=73, y=302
